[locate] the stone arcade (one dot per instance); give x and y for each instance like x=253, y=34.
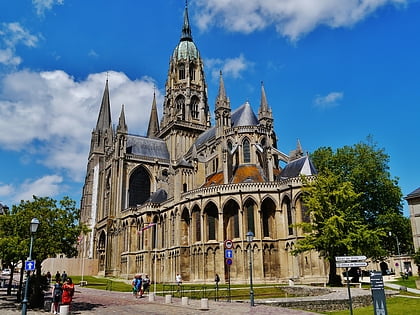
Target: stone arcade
x=189, y=186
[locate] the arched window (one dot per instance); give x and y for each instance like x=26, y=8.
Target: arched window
x=246, y=151
x=194, y=107
x=139, y=187
x=184, y=187
x=231, y=220
x=181, y=72
x=288, y=206
x=192, y=71
x=180, y=106
x=268, y=209
x=197, y=224
x=211, y=217
x=185, y=227
x=249, y=210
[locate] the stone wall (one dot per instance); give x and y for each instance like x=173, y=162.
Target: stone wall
x=72, y=266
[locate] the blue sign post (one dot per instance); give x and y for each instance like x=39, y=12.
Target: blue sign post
x=228, y=253
x=30, y=265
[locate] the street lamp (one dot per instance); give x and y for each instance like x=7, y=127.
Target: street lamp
x=398, y=249
x=250, y=238
x=33, y=228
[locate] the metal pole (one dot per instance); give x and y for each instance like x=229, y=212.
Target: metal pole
x=251, y=291
x=399, y=255
x=348, y=289
x=25, y=298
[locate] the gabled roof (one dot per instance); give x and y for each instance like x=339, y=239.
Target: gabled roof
x=158, y=196
x=301, y=166
x=414, y=194
x=244, y=116
x=153, y=148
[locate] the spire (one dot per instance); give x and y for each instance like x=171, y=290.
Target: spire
x=186, y=29
x=104, y=118
x=122, y=126
x=264, y=113
x=153, y=128
x=222, y=100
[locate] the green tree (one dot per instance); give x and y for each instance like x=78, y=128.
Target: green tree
x=380, y=203
x=57, y=233
x=416, y=258
x=354, y=204
x=335, y=228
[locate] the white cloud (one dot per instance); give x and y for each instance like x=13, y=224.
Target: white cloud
x=13, y=34
x=47, y=186
x=329, y=100
x=50, y=116
x=43, y=5
x=6, y=190
x=231, y=67
x=291, y=18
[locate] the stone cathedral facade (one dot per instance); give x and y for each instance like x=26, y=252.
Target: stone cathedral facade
x=165, y=203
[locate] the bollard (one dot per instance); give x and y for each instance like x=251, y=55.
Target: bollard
x=151, y=297
x=168, y=299
x=204, y=304
x=184, y=300
x=64, y=309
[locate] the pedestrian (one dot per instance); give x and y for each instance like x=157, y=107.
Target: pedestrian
x=68, y=292
x=146, y=283
x=136, y=284
x=217, y=280
x=56, y=295
x=57, y=276
x=49, y=277
x=178, y=280
x=63, y=277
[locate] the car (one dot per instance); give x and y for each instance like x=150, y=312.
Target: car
x=6, y=272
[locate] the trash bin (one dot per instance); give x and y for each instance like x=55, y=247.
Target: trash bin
x=64, y=309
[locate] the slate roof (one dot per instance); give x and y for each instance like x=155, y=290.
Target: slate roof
x=242, y=116
x=414, y=194
x=158, y=196
x=153, y=148
x=301, y=166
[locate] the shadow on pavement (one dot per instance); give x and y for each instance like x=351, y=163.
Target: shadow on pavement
x=84, y=306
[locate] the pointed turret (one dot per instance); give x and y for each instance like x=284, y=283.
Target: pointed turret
x=153, y=128
x=222, y=109
x=186, y=29
x=104, y=117
x=265, y=115
x=102, y=135
x=122, y=126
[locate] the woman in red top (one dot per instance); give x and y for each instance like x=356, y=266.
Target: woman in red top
x=68, y=292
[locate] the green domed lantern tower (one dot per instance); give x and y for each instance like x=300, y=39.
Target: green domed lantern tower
x=185, y=109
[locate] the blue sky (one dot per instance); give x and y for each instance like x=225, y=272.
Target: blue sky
x=334, y=73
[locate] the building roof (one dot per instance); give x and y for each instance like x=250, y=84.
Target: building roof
x=244, y=116
x=153, y=148
x=158, y=196
x=414, y=194
x=301, y=166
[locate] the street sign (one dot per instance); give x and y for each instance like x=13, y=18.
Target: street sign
x=229, y=261
x=349, y=258
x=351, y=264
x=29, y=265
x=378, y=293
x=228, y=253
x=228, y=244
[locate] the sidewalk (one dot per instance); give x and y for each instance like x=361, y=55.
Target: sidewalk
x=91, y=301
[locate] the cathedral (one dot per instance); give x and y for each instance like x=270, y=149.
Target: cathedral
x=174, y=200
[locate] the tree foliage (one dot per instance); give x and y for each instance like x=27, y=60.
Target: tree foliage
x=57, y=233
x=354, y=203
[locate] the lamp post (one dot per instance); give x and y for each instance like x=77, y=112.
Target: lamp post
x=398, y=249
x=250, y=238
x=33, y=228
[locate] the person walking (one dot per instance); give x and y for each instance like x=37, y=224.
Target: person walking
x=68, y=292
x=146, y=284
x=178, y=280
x=56, y=295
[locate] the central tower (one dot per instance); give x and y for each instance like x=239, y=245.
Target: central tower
x=185, y=109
